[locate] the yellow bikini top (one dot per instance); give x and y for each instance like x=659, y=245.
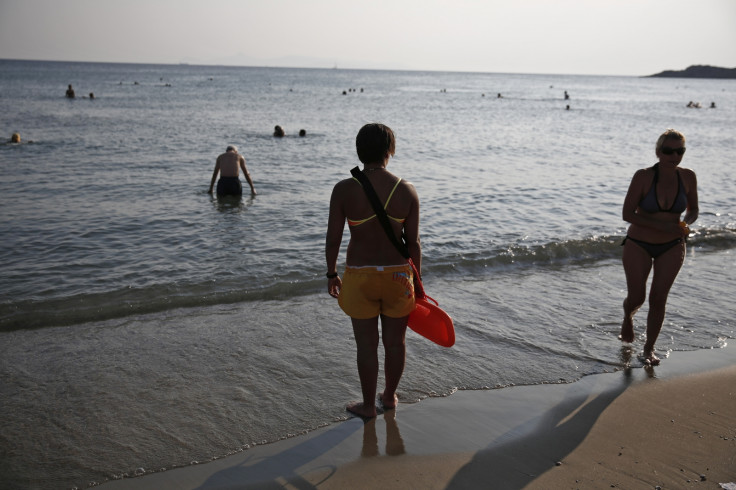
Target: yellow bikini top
x=356, y=222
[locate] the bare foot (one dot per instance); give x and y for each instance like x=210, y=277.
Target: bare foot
x=361, y=410
x=650, y=359
x=389, y=403
x=627, y=331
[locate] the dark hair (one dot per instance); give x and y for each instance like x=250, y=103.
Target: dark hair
x=374, y=142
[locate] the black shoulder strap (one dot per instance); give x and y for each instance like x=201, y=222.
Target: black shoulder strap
x=380, y=212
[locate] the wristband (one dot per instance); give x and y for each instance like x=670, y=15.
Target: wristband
x=331, y=275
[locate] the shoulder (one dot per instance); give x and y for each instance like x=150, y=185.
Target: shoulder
x=407, y=186
x=688, y=177
x=405, y=192
x=686, y=173
x=641, y=181
x=643, y=175
x=346, y=186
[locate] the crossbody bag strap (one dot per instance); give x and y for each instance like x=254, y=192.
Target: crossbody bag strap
x=380, y=212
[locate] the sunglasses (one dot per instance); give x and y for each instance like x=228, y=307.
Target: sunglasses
x=666, y=150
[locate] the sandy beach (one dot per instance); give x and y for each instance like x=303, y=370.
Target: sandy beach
x=672, y=426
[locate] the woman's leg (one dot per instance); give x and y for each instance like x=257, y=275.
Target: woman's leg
x=366, y=340
x=393, y=334
x=666, y=268
x=637, y=264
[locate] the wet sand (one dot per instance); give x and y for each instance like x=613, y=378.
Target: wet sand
x=672, y=426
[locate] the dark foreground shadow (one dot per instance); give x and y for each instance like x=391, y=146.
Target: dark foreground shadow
x=272, y=471
x=559, y=431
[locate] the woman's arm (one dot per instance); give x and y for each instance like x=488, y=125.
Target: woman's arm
x=411, y=229
x=335, y=227
x=691, y=186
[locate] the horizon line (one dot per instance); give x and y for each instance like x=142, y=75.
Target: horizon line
x=335, y=67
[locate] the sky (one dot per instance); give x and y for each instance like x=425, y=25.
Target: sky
x=592, y=37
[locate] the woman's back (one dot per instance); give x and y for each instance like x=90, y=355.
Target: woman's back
x=369, y=243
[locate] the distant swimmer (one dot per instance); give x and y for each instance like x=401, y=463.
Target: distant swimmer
x=15, y=140
x=712, y=105
x=567, y=96
x=499, y=96
x=302, y=132
x=278, y=131
x=227, y=166
x=91, y=95
x=567, y=107
x=70, y=92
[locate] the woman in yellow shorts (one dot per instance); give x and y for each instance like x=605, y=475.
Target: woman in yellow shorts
x=378, y=281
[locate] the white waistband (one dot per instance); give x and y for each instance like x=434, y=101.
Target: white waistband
x=379, y=268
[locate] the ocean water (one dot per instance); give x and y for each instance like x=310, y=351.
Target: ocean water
x=145, y=324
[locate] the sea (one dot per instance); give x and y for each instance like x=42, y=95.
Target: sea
x=147, y=325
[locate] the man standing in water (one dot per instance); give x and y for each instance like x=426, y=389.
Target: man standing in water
x=227, y=166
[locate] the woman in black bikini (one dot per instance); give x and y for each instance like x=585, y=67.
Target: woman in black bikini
x=656, y=198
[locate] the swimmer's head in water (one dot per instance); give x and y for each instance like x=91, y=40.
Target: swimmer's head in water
x=15, y=138
x=232, y=148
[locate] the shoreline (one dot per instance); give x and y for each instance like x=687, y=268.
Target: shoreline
x=598, y=432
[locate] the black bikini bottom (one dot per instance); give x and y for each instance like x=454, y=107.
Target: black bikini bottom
x=655, y=249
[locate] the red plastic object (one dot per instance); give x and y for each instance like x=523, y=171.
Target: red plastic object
x=431, y=321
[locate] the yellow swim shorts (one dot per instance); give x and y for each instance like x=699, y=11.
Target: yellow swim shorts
x=370, y=291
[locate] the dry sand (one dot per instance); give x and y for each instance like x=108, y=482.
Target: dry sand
x=672, y=426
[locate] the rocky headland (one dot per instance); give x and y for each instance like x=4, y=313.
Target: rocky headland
x=698, y=71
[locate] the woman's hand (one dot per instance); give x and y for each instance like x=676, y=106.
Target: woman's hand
x=334, y=284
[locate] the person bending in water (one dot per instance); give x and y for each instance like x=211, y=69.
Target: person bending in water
x=227, y=166
x=378, y=280
x=656, y=237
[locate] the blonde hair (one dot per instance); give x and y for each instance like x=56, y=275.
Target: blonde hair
x=669, y=134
